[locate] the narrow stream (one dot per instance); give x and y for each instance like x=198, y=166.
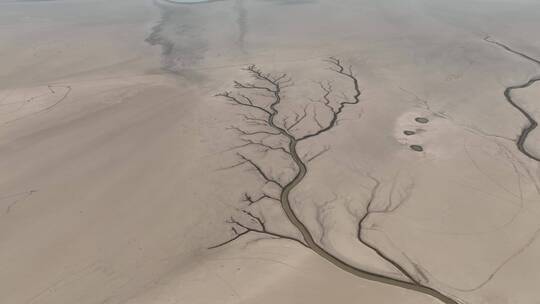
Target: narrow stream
x=532, y=123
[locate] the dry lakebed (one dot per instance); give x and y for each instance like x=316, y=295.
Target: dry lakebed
x=269, y=151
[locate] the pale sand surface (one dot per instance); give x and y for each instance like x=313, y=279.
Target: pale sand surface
x=113, y=148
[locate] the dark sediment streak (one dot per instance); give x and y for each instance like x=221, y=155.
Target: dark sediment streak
x=241, y=22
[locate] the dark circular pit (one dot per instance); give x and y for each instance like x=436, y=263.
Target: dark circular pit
x=409, y=132
x=422, y=120
x=416, y=148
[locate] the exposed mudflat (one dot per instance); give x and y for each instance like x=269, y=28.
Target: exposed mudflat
x=269, y=151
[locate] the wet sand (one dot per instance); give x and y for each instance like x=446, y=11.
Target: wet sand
x=142, y=163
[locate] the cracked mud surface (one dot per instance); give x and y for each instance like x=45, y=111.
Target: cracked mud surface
x=155, y=152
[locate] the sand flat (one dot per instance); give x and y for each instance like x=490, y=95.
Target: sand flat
x=156, y=153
